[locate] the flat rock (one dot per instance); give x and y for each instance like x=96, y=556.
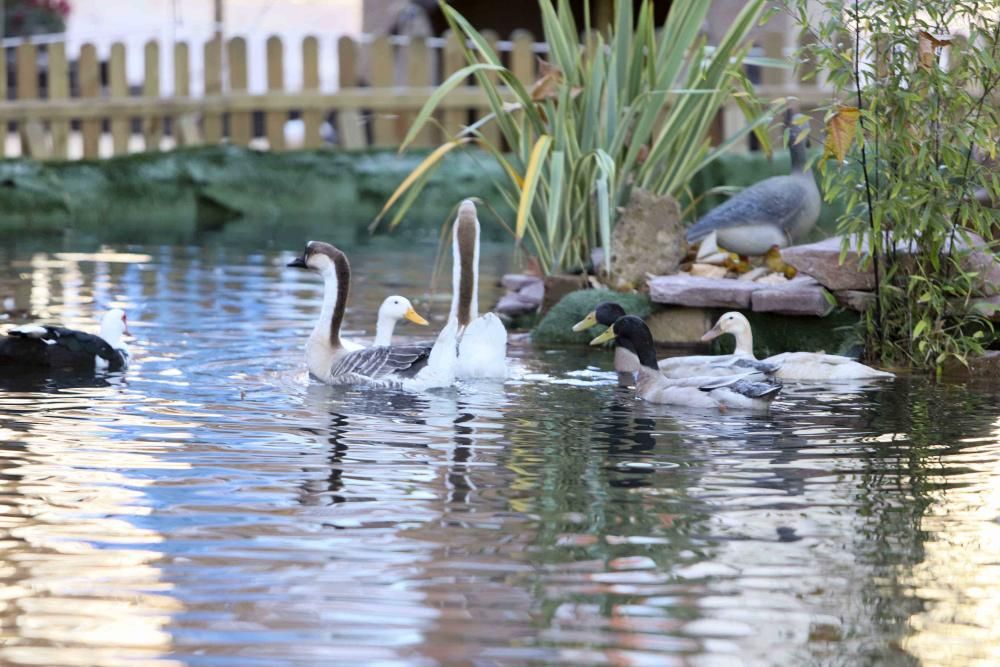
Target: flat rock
x=855, y=299
x=708, y=271
x=512, y=303
x=515, y=281
x=822, y=261
x=801, y=296
x=686, y=290
x=534, y=291
x=559, y=285
x=648, y=238
x=679, y=326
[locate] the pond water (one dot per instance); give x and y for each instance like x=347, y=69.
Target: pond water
x=214, y=507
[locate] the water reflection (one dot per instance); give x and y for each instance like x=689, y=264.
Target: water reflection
x=212, y=506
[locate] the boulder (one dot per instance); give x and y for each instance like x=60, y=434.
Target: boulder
x=801, y=296
x=557, y=286
x=822, y=261
x=685, y=290
x=855, y=299
x=514, y=304
x=533, y=291
x=648, y=238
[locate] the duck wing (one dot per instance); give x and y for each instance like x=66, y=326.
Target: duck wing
x=774, y=202
x=379, y=362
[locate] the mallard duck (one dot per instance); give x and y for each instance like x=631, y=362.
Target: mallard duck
x=607, y=313
x=794, y=365
x=482, y=347
x=735, y=391
x=392, y=310
x=45, y=346
x=775, y=211
x=411, y=366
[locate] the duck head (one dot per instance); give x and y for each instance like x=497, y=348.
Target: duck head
x=399, y=308
x=631, y=333
x=114, y=325
x=736, y=324
x=606, y=313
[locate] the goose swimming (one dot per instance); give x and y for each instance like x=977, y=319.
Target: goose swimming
x=411, y=366
x=743, y=391
x=607, y=313
x=794, y=365
x=46, y=346
x=482, y=348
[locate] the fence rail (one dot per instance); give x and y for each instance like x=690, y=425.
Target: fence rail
x=64, y=108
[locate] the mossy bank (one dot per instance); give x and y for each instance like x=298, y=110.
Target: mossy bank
x=175, y=196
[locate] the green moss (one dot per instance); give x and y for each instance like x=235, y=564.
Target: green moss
x=556, y=327
x=836, y=333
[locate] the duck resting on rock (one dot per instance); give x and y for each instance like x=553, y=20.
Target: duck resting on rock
x=772, y=212
x=742, y=391
x=793, y=365
x=718, y=365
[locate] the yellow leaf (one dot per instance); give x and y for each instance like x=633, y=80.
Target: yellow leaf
x=840, y=130
x=531, y=174
x=420, y=170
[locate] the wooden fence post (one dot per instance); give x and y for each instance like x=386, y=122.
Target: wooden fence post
x=240, y=131
x=152, y=126
x=274, y=121
x=382, y=67
x=212, y=122
x=418, y=73
x=522, y=57
x=59, y=90
x=351, y=132
x=30, y=129
x=311, y=118
x=452, y=60
x=491, y=131
x=121, y=128
x=90, y=86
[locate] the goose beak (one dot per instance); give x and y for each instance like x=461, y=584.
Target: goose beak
x=414, y=317
x=712, y=333
x=605, y=337
x=587, y=322
x=298, y=263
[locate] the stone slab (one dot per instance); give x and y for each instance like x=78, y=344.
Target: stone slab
x=801, y=296
x=821, y=260
x=855, y=299
x=679, y=326
x=512, y=303
x=685, y=290
x=515, y=281
x=534, y=291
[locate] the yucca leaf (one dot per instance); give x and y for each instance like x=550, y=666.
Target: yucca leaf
x=531, y=175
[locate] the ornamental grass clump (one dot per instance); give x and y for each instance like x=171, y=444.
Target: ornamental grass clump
x=629, y=107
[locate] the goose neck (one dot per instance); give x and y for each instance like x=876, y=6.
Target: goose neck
x=465, y=270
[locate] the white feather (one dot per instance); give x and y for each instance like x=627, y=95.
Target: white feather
x=482, y=351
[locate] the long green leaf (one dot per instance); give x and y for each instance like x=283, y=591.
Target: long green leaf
x=531, y=176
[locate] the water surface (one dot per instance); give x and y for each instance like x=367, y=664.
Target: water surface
x=214, y=507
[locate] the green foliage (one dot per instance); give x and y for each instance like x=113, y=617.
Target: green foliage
x=927, y=100
x=631, y=107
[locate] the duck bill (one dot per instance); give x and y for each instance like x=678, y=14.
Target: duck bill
x=604, y=337
x=712, y=333
x=298, y=263
x=587, y=322
x=414, y=317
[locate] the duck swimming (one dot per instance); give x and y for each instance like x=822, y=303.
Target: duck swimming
x=735, y=391
x=794, y=365
x=482, y=348
x=772, y=212
x=607, y=313
x=45, y=346
x=410, y=366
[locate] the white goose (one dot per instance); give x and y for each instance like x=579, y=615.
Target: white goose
x=482, y=347
x=794, y=365
x=408, y=366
